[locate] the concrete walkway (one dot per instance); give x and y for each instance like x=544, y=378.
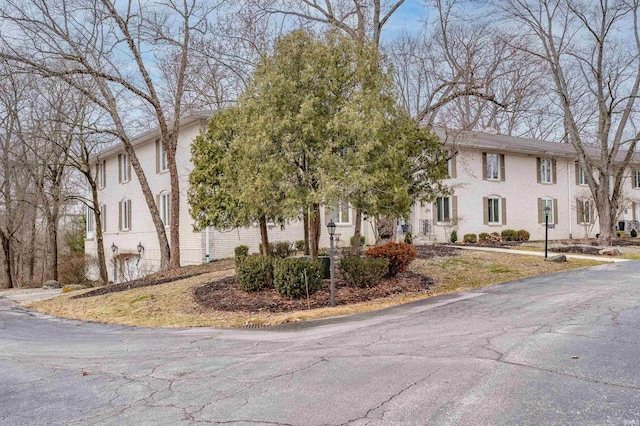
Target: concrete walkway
x=541, y=253
x=28, y=295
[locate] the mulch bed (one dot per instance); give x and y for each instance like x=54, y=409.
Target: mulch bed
x=433, y=250
x=594, y=251
x=223, y=295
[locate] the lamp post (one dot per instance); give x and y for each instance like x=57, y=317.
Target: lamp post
x=331, y=227
x=140, y=248
x=114, y=250
x=547, y=211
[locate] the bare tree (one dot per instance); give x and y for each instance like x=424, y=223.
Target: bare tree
x=111, y=55
x=596, y=78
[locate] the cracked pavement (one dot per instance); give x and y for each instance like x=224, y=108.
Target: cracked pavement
x=555, y=349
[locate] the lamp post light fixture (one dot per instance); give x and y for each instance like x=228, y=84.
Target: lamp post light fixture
x=114, y=250
x=140, y=247
x=547, y=211
x=331, y=227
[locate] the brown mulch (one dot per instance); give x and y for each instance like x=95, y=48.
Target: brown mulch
x=430, y=251
x=578, y=250
x=162, y=277
x=223, y=295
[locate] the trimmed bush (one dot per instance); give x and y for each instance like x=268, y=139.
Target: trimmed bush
x=270, y=248
x=362, y=240
x=363, y=272
x=483, y=237
x=470, y=238
x=494, y=237
x=289, y=279
x=282, y=249
x=300, y=245
x=523, y=235
x=400, y=255
x=454, y=236
x=241, y=252
x=509, y=235
x=253, y=273
x=408, y=237
x=634, y=233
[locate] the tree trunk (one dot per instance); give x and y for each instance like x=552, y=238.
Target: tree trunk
x=264, y=236
x=305, y=219
x=102, y=262
x=174, y=214
x=355, y=247
x=53, y=246
x=314, y=222
x=6, y=251
x=32, y=247
x=386, y=229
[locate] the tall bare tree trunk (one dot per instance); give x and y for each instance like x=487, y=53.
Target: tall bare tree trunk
x=305, y=220
x=102, y=263
x=357, y=231
x=314, y=234
x=7, y=252
x=264, y=236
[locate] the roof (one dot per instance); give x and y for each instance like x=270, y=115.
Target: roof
x=504, y=143
x=152, y=134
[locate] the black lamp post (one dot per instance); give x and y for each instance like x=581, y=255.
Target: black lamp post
x=331, y=227
x=140, y=248
x=114, y=250
x=547, y=211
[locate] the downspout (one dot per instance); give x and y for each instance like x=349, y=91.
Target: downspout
x=206, y=245
x=569, y=200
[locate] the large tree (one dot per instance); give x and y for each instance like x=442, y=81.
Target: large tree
x=592, y=53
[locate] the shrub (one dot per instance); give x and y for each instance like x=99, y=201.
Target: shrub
x=289, y=277
x=362, y=241
x=483, y=237
x=634, y=233
x=300, y=245
x=73, y=268
x=254, y=273
x=241, y=252
x=454, y=236
x=324, y=251
x=523, y=235
x=270, y=248
x=408, y=237
x=363, y=271
x=400, y=255
x=509, y=235
x=282, y=249
x=469, y=238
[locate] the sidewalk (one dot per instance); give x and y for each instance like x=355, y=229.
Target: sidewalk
x=27, y=295
x=541, y=253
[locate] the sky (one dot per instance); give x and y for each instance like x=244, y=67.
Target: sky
x=409, y=17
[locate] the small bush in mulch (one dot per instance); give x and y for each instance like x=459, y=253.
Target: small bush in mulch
x=470, y=238
x=254, y=273
x=292, y=277
x=223, y=295
x=400, y=255
x=363, y=272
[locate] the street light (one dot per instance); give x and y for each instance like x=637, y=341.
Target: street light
x=547, y=211
x=114, y=250
x=331, y=227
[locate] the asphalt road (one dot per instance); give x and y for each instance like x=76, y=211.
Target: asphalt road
x=559, y=349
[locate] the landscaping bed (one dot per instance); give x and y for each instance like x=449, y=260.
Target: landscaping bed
x=588, y=250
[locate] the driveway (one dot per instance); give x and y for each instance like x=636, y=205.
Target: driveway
x=557, y=349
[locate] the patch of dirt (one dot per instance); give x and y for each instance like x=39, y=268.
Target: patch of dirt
x=160, y=278
x=594, y=251
x=627, y=242
x=223, y=295
x=434, y=250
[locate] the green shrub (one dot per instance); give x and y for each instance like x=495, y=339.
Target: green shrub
x=324, y=251
x=289, y=277
x=362, y=241
x=270, y=248
x=494, y=237
x=253, y=273
x=400, y=255
x=509, y=235
x=634, y=233
x=363, y=272
x=470, y=238
x=241, y=252
x=282, y=249
x=523, y=235
x=454, y=236
x=408, y=237
x=300, y=245
x=483, y=237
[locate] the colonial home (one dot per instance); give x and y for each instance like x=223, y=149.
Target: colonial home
x=499, y=182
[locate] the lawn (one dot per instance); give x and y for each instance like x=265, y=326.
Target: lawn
x=174, y=305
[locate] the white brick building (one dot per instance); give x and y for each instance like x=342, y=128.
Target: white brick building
x=499, y=183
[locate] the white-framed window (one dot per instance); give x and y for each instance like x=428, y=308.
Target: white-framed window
x=548, y=202
x=103, y=217
x=443, y=209
x=493, y=166
x=340, y=213
x=582, y=180
x=161, y=156
x=546, y=170
x=494, y=210
x=636, y=178
x=125, y=215
x=585, y=210
x=124, y=167
x=101, y=174
x=164, y=200
x=91, y=222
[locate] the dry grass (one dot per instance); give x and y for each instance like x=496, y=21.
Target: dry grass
x=173, y=305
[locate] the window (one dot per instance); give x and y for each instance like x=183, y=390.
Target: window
x=553, y=210
x=103, y=217
x=493, y=167
x=584, y=209
x=163, y=206
x=124, y=168
x=90, y=218
x=582, y=180
x=101, y=174
x=125, y=215
x=443, y=209
x=340, y=213
x=546, y=167
x=636, y=178
x=161, y=157
x=493, y=211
